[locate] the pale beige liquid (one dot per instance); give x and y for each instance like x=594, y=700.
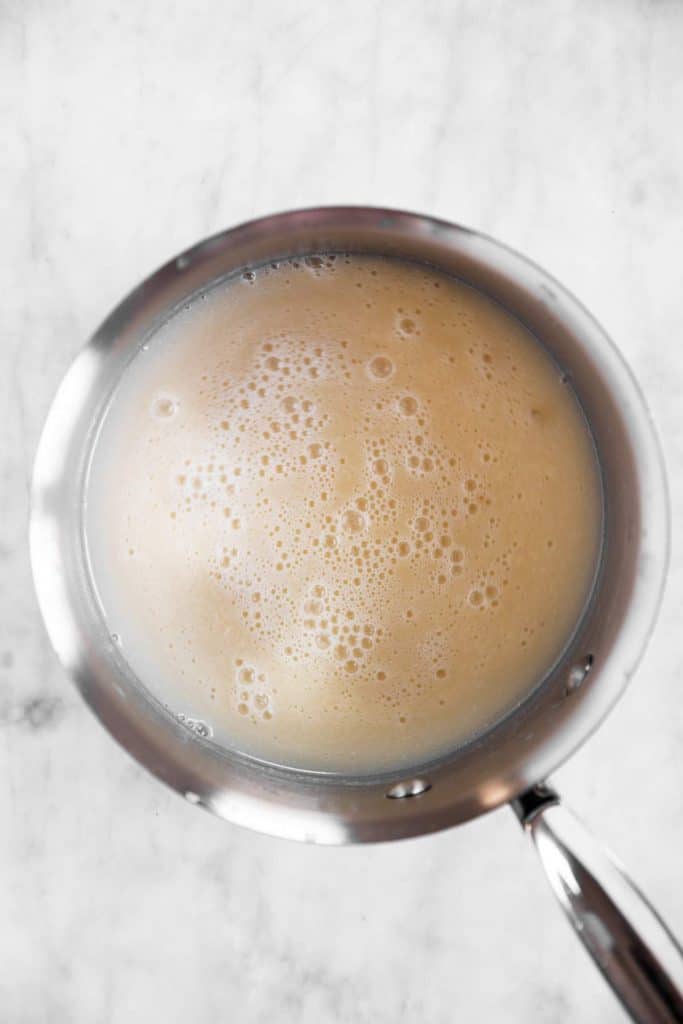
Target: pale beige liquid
x=344, y=512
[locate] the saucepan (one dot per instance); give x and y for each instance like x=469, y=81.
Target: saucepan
x=509, y=762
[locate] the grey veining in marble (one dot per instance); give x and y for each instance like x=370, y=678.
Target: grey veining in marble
x=131, y=130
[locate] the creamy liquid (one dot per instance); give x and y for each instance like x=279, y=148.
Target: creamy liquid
x=343, y=513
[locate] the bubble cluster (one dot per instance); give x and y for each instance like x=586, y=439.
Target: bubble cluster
x=195, y=725
x=252, y=695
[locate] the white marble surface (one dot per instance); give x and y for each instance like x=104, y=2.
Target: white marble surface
x=128, y=132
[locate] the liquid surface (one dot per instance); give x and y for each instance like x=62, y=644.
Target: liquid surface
x=343, y=513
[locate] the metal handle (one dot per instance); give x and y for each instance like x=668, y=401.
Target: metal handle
x=626, y=937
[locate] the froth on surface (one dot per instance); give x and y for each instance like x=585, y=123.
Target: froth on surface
x=342, y=513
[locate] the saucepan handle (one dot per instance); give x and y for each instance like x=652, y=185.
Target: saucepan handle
x=626, y=937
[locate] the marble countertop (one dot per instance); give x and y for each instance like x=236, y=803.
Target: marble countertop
x=132, y=130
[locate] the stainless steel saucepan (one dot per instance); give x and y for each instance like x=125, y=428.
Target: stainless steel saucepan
x=508, y=763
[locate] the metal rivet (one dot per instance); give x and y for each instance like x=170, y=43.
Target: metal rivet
x=192, y=798
x=578, y=673
x=182, y=263
x=414, y=787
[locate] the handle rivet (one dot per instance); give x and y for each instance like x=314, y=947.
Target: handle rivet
x=578, y=673
x=414, y=787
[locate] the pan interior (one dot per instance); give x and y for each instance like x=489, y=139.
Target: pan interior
x=450, y=386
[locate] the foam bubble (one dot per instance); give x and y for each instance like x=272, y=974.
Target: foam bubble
x=408, y=405
x=380, y=368
x=164, y=407
x=353, y=521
